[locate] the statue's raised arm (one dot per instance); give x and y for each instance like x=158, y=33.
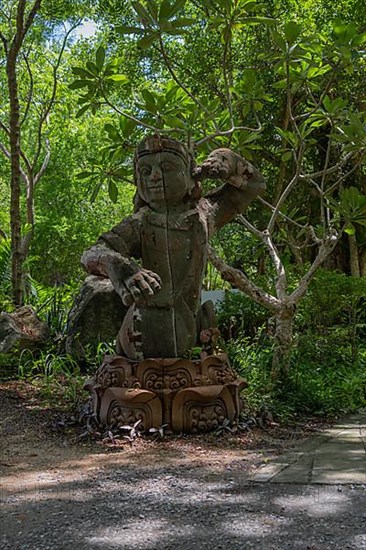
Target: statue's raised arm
x=242, y=183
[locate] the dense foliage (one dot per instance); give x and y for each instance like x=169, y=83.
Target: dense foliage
x=281, y=83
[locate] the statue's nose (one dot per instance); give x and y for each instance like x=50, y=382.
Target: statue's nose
x=156, y=174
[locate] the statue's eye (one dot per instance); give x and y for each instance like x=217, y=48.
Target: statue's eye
x=145, y=170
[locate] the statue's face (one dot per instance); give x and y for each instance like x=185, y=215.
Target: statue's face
x=164, y=179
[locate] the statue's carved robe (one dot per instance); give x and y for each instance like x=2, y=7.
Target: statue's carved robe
x=173, y=245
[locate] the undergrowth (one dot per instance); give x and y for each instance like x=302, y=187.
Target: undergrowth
x=322, y=380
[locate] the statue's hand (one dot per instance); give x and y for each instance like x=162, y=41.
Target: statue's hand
x=226, y=165
x=141, y=286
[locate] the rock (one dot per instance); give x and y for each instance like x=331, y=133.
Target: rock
x=96, y=316
x=21, y=329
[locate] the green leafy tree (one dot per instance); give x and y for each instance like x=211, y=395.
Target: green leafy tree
x=289, y=101
x=32, y=58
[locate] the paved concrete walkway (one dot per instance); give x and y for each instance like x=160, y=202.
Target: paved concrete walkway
x=335, y=456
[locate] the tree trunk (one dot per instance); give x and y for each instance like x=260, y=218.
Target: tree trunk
x=283, y=341
x=363, y=263
x=15, y=214
x=353, y=256
x=22, y=26
x=27, y=238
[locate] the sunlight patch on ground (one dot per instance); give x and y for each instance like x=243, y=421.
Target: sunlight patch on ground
x=135, y=534
x=318, y=502
x=257, y=527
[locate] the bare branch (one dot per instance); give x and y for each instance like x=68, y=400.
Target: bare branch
x=45, y=163
x=286, y=192
x=328, y=171
x=45, y=114
x=243, y=221
x=345, y=176
x=5, y=43
x=322, y=96
x=242, y=282
x=313, y=235
x=290, y=220
x=281, y=283
x=31, y=16
x=30, y=91
x=325, y=249
x=313, y=182
x=5, y=151
x=229, y=132
x=4, y=128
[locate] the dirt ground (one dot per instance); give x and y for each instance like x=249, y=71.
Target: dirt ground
x=59, y=491
x=33, y=437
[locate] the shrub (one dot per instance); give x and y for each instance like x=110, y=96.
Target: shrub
x=239, y=316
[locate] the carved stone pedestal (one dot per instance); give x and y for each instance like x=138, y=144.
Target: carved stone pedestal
x=190, y=396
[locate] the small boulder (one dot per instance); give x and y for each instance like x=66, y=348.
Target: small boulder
x=96, y=316
x=21, y=329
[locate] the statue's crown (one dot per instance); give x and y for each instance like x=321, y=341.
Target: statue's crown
x=157, y=144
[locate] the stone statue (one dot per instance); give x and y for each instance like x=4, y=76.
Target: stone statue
x=156, y=258
x=168, y=233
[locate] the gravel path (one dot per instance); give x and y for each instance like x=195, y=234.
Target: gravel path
x=179, y=494
x=180, y=508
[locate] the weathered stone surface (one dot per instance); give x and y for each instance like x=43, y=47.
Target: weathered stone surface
x=21, y=329
x=96, y=316
x=189, y=396
x=155, y=260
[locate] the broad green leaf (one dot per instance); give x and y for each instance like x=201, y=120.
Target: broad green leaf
x=147, y=40
x=165, y=10
x=82, y=72
x=78, y=84
x=291, y=137
x=165, y=25
x=359, y=39
x=82, y=110
x=349, y=228
x=100, y=58
x=277, y=38
x=183, y=22
x=112, y=191
x=123, y=29
x=256, y=20
x=92, y=67
x=111, y=131
x=150, y=102
x=327, y=102
x=95, y=192
x=286, y=156
x=141, y=11
x=281, y=84
x=176, y=7
x=120, y=78
x=318, y=71
x=126, y=125
x=226, y=4
x=292, y=31
x=83, y=175
x=174, y=122
x=153, y=9
x=226, y=35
